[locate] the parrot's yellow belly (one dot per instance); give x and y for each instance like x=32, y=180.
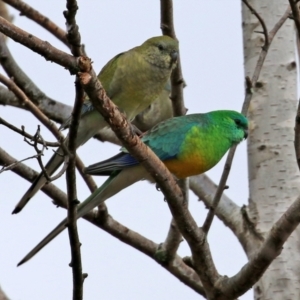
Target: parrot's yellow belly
x=188, y=166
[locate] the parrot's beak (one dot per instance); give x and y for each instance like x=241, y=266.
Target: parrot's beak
x=245, y=133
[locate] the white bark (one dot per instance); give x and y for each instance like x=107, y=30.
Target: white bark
x=274, y=180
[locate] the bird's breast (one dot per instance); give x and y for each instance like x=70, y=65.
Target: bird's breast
x=199, y=152
x=188, y=166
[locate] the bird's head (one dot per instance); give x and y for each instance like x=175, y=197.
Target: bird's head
x=234, y=125
x=160, y=51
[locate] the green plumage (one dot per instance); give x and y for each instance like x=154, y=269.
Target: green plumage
x=161, y=109
x=133, y=80
x=188, y=145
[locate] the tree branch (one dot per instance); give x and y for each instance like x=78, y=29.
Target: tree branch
x=42, y=118
x=227, y=210
x=222, y=185
x=74, y=39
x=261, y=59
x=34, y=110
x=167, y=27
x=36, y=16
x=296, y=16
x=262, y=22
x=185, y=222
x=248, y=96
x=27, y=135
x=54, y=110
x=270, y=249
x=73, y=34
x=44, y=48
x=72, y=198
x=173, y=239
x=177, y=267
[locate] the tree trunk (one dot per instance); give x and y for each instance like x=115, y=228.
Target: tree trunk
x=274, y=180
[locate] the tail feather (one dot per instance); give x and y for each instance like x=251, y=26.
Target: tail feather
x=108, y=166
x=114, y=184
x=63, y=224
x=56, y=231
x=90, y=124
x=54, y=163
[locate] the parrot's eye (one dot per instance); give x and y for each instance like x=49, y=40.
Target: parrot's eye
x=160, y=47
x=238, y=122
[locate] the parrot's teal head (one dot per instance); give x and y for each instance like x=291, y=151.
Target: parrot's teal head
x=160, y=51
x=233, y=124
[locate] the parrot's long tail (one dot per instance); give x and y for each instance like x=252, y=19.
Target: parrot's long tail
x=114, y=184
x=53, y=164
x=90, y=124
x=62, y=225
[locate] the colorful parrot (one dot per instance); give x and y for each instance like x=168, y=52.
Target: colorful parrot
x=188, y=145
x=132, y=80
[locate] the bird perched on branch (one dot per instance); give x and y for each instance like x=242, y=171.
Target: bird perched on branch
x=132, y=80
x=161, y=109
x=187, y=145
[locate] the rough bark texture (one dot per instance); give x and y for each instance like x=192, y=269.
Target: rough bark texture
x=274, y=180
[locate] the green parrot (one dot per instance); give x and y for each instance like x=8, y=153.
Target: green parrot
x=132, y=80
x=188, y=145
x=161, y=109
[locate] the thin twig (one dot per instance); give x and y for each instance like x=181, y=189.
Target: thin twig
x=62, y=170
x=238, y=284
x=73, y=34
x=188, y=227
x=72, y=198
x=54, y=108
x=40, y=116
x=184, y=220
x=36, y=16
x=44, y=48
x=74, y=39
x=89, y=181
x=296, y=16
x=261, y=60
x=178, y=268
x=14, y=164
x=210, y=216
x=35, y=111
x=86, y=177
x=248, y=96
x=263, y=24
x=34, y=144
x=27, y=135
x=173, y=239
x=167, y=27
x=168, y=249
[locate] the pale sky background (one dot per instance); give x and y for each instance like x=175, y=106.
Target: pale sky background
x=212, y=61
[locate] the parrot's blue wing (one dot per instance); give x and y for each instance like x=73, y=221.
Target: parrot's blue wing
x=115, y=163
x=165, y=139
